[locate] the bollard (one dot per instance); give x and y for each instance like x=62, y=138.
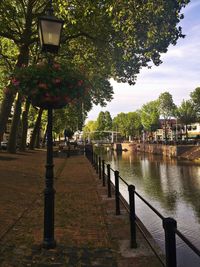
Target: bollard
x=103, y=172
x=170, y=225
x=108, y=181
x=117, y=203
x=131, y=190
x=99, y=167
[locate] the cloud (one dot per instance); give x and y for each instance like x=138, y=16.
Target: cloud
x=191, y=6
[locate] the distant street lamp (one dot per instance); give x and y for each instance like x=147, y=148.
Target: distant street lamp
x=50, y=29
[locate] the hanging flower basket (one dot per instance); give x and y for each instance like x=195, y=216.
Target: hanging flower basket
x=50, y=85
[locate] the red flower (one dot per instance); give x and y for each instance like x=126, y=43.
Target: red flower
x=15, y=82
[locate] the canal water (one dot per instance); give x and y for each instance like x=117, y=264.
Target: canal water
x=172, y=186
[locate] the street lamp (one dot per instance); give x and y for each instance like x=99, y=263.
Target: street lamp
x=50, y=29
x=49, y=32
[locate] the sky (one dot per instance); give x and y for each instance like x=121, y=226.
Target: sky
x=179, y=74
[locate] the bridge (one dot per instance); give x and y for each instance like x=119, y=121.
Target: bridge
x=113, y=133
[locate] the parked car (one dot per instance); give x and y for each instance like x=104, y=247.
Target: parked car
x=4, y=145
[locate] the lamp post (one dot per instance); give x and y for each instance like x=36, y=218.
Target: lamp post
x=50, y=29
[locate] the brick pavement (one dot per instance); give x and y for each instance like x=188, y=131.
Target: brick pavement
x=87, y=231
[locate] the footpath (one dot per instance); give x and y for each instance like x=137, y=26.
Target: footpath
x=87, y=231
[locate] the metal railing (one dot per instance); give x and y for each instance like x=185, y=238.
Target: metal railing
x=169, y=224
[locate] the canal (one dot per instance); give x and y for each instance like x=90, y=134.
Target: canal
x=172, y=186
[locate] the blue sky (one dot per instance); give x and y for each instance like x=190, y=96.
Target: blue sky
x=179, y=73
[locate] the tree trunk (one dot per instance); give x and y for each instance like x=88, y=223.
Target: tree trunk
x=44, y=137
x=5, y=112
x=35, y=130
x=15, y=125
x=23, y=59
x=37, y=145
x=24, y=126
x=8, y=98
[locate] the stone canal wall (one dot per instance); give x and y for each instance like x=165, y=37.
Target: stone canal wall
x=165, y=150
x=191, y=152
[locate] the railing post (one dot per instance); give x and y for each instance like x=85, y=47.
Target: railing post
x=91, y=156
x=96, y=163
x=99, y=167
x=103, y=172
x=94, y=157
x=117, y=204
x=131, y=190
x=108, y=180
x=169, y=225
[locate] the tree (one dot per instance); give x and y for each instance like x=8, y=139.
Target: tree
x=120, y=123
x=166, y=108
x=36, y=129
x=150, y=116
x=128, y=124
x=108, y=121
x=186, y=114
x=104, y=123
x=133, y=123
x=89, y=130
x=195, y=97
x=104, y=39
x=124, y=36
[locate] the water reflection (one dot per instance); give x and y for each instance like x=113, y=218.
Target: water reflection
x=172, y=186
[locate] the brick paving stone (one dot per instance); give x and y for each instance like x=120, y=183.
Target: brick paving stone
x=87, y=231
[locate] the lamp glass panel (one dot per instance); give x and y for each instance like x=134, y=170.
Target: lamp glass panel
x=40, y=36
x=51, y=32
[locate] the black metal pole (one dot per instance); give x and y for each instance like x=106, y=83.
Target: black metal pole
x=170, y=225
x=117, y=200
x=49, y=192
x=108, y=181
x=103, y=171
x=132, y=216
x=99, y=167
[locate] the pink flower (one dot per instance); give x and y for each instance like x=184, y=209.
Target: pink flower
x=80, y=82
x=42, y=85
x=15, y=82
x=57, y=81
x=56, y=66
